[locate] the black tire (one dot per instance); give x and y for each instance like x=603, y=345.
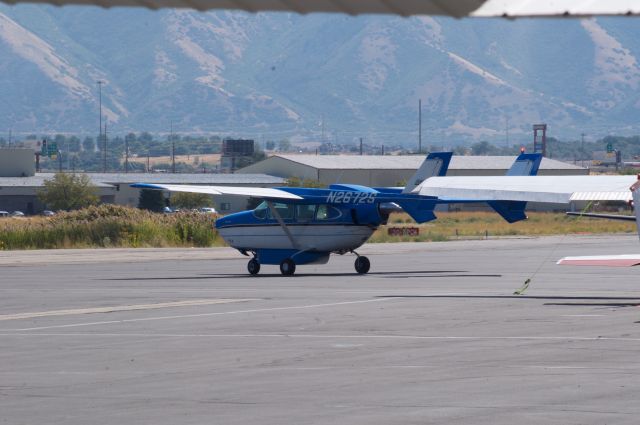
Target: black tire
x=287, y=267
x=253, y=266
x=362, y=265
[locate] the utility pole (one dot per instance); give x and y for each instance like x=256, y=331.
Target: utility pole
x=100, y=83
x=173, y=150
x=419, y=126
x=9, y=137
x=582, y=149
x=173, y=157
x=126, y=154
x=104, y=148
x=322, y=140
x=382, y=150
x=361, y=146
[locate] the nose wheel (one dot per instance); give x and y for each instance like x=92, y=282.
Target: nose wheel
x=362, y=265
x=287, y=267
x=253, y=266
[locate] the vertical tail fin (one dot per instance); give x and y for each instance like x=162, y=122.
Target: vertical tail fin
x=435, y=164
x=526, y=164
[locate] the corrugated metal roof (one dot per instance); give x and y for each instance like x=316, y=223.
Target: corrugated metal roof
x=37, y=181
x=108, y=179
x=455, y=8
x=196, y=178
x=412, y=162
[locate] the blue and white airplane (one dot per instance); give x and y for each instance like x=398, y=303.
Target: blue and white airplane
x=295, y=226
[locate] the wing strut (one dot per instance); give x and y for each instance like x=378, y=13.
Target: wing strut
x=282, y=224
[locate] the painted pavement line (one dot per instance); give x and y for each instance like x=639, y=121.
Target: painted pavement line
x=567, y=338
x=112, y=309
x=219, y=313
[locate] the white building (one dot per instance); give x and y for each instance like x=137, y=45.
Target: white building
x=21, y=193
x=17, y=162
x=389, y=170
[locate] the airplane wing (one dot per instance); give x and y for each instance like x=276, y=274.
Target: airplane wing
x=256, y=192
x=549, y=189
x=602, y=260
x=454, y=8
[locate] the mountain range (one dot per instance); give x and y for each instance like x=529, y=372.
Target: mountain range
x=280, y=75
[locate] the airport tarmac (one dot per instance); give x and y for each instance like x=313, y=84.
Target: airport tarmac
x=432, y=335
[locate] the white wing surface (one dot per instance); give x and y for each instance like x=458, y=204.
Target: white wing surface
x=550, y=189
x=455, y=8
x=256, y=192
x=602, y=260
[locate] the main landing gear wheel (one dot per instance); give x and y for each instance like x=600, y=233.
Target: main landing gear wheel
x=287, y=267
x=253, y=266
x=362, y=265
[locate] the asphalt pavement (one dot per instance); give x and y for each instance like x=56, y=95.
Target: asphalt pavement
x=433, y=334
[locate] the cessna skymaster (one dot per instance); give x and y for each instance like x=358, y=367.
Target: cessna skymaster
x=295, y=226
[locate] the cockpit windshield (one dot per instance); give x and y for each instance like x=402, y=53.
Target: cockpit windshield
x=261, y=210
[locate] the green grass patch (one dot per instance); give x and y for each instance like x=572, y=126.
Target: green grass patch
x=111, y=226
x=480, y=224
x=108, y=226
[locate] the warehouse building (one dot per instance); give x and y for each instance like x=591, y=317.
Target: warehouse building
x=21, y=193
x=388, y=170
x=20, y=184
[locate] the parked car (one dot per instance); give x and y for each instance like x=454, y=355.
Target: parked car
x=4, y=213
x=207, y=210
x=17, y=214
x=167, y=210
x=48, y=213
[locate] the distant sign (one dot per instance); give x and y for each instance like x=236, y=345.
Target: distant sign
x=609, y=147
x=49, y=149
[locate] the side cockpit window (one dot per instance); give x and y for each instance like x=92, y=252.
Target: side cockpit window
x=305, y=212
x=285, y=211
x=327, y=212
